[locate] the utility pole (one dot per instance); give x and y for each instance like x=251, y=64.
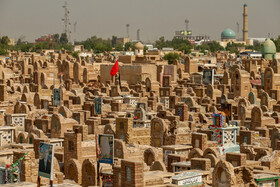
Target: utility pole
x=237, y=24
x=127, y=30
x=75, y=25
x=187, y=24
x=66, y=21
x=138, y=34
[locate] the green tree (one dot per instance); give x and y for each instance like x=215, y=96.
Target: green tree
x=178, y=44
x=145, y=49
x=19, y=41
x=257, y=47
x=75, y=54
x=63, y=38
x=128, y=46
x=170, y=57
x=118, y=47
x=5, y=40
x=56, y=38
x=160, y=43
x=40, y=46
x=3, y=51
x=97, y=44
x=114, y=40
x=215, y=46
x=67, y=47
x=233, y=47
x=203, y=48
x=25, y=47
x=277, y=43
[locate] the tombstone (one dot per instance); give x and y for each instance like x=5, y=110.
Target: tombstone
x=3, y=92
x=224, y=134
x=173, y=100
x=158, y=132
x=7, y=134
x=264, y=99
x=201, y=164
x=256, y=117
x=189, y=101
x=200, y=92
x=98, y=106
x=188, y=179
x=210, y=92
x=43, y=79
x=275, y=139
x=68, y=84
x=241, y=112
x=77, y=73
x=119, y=149
x=181, y=109
x=223, y=99
x=166, y=80
x=148, y=85
x=36, y=77
x=252, y=98
x=241, y=84
x=165, y=91
x=149, y=156
x=191, y=66
x=56, y=96
x=246, y=137
x=140, y=114
x=208, y=76
x=115, y=91
x=227, y=109
x=199, y=140
x=123, y=128
x=16, y=119
x=223, y=174
x=236, y=159
x=142, y=105
x=132, y=173
x=269, y=79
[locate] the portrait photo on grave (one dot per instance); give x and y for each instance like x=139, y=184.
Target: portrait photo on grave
x=106, y=145
x=208, y=76
x=226, y=108
x=98, y=105
x=56, y=96
x=46, y=155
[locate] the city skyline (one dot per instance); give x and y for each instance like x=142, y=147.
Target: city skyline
x=33, y=18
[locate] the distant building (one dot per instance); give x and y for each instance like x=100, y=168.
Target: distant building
x=187, y=35
x=269, y=50
x=250, y=54
x=78, y=48
x=149, y=46
x=12, y=41
x=229, y=36
x=123, y=41
x=44, y=38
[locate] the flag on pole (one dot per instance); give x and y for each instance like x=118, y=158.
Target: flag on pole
x=120, y=81
x=115, y=69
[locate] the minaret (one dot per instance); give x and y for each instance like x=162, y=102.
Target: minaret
x=245, y=23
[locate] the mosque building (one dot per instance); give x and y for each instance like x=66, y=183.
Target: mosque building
x=269, y=50
x=229, y=36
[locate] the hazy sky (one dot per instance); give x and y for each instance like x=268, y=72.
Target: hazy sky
x=154, y=18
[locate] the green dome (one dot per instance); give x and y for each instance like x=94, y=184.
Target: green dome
x=269, y=49
x=228, y=34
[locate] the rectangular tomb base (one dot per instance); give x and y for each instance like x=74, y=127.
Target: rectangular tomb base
x=233, y=148
x=187, y=179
